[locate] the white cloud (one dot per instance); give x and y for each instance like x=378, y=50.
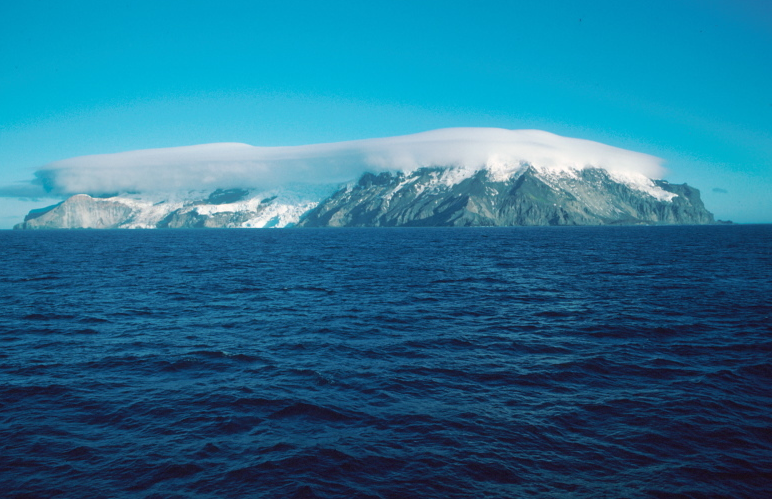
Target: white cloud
x=228, y=165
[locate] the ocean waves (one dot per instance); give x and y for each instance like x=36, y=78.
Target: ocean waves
x=565, y=362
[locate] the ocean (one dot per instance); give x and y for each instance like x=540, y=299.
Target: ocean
x=555, y=362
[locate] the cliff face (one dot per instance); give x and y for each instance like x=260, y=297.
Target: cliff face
x=78, y=212
x=530, y=197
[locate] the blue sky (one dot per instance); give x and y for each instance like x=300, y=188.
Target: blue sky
x=689, y=81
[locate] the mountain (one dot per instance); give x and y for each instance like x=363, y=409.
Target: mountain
x=448, y=177
x=530, y=196
x=221, y=209
x=450, y=197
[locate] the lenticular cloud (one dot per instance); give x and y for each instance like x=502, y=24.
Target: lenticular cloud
x=228, y=165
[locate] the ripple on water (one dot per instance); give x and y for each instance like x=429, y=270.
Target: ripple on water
x=566, y=362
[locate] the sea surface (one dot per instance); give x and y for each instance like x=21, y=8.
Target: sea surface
x=563, y=362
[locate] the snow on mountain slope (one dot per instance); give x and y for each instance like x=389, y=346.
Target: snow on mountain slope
x=194, y=210
x=527, y=196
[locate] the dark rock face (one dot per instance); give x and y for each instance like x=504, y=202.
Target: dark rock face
x=589, y=197
x=686, y=206
x=227, y=196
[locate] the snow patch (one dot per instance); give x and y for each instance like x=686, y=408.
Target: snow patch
x=644, y=184
x=556, y=177
x=279, y=216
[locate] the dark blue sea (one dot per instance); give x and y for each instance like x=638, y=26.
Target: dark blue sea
x=588, y=362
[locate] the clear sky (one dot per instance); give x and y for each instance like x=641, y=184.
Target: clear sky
x=689, y=81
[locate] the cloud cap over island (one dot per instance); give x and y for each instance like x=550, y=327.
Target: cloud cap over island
x=227, y=165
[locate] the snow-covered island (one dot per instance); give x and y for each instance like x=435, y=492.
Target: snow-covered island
x=449, y=177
